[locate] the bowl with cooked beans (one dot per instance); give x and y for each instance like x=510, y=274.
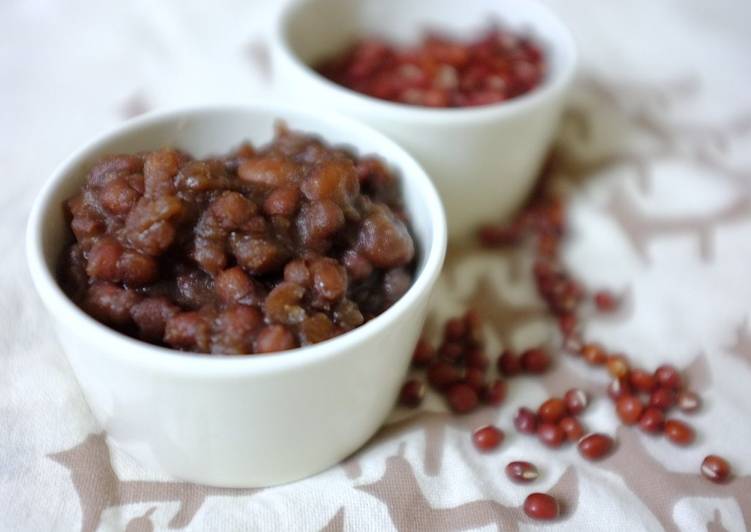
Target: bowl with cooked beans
x=238, y=289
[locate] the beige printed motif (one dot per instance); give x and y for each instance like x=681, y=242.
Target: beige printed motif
x=660, y=489
x=98, y=486
x=641, y=228
x=742, y=346
x=409, y=510
x=337, y=522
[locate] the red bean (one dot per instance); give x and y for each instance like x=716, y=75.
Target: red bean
x=525, y=421
x=233, y=330
x=283, y=304
x=454, y=329
x=617, y=366
x=475, y=378
x=541, y=506
x=329, y=279
x=190, y=331
x=441, y=375
x=550, y=434
x=451, y=351
x=572, y=428
x=509, y=364
x=423, y=354
x=652, y=420
x=576, y=401
x=552, y=410
x=715, y=468
x=618, y=388
x=662, y=398
x=462, y=398
x=476, y=358
x=641, y=380
x=270, y=172
x=412, y=393
x=595, y=446
x=316, y=328
x=668, y=377
x=495, y=393
x=594, y=354
x=384, y=240
x=679, y=432
x=522, y=472
x=440, y=71
x=605, y=301
x=487, y=438
x=535, y=360
x=273, y=338
x=629, y=409
x=282, y=202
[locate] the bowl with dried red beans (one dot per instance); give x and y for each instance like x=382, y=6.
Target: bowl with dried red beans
x=474, y=90
x=238, y=289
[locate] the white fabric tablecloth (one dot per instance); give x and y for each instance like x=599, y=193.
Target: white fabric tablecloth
x=658, y=142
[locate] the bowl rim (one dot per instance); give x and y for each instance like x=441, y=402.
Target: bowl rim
x=137, y=352
x=497, y=111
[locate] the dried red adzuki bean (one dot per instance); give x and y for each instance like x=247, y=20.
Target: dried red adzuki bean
x=595, y=446
x=522, y=472
x=541, y=506
x=487, y=438
x=629, y=409
x=652, y=420
x=412, y=393
x=679, y=432
x=441, y=71
x=716, y=469
x=494, y=393
x=552, y=410
x=551, y=434
x=525, y=421
x=576, y=401
x=572, y=428
x=462, y=398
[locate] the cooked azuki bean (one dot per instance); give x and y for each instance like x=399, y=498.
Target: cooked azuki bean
x=282, y=305
x=384, y=240
x=329, y=279
x=316, y=328
x=332, y=180
x=319, y=220
x=234, y=286
x=151, y=316
x=118, y=197
x=234, y=330
x=189, y=331
x=150, y=226
x=117, y=165
x=269, y=172
x=110, y=303
x=159, y=169
x=282, y=202
x=274, y=338
x=256, y=255
x=258, y=251
x=103, y=258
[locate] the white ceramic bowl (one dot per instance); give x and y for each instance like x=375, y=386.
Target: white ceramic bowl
x=483, y=160
x=238, y=420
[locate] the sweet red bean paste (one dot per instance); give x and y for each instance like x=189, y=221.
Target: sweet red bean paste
x=260, y=250
x=441, y=71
